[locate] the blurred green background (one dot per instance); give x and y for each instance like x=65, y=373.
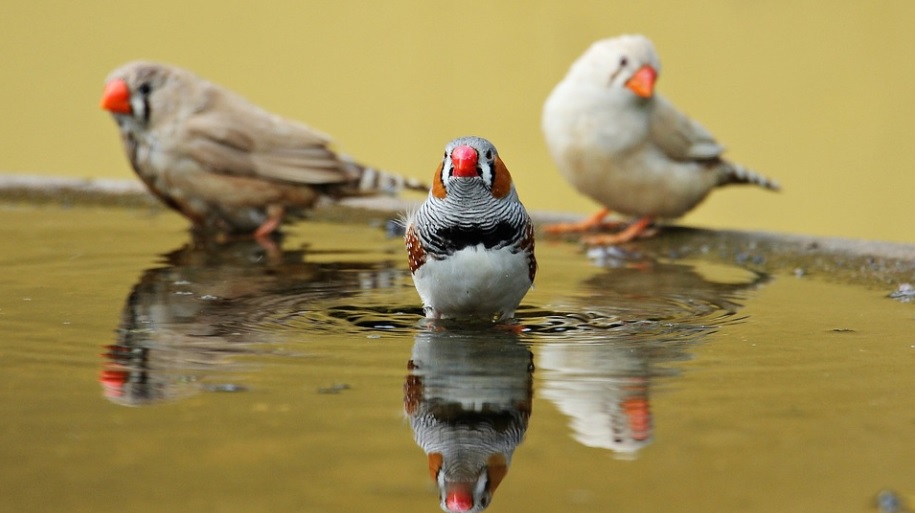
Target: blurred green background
x=816, y=94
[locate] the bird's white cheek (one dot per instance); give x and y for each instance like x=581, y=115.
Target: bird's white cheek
x=138, y=106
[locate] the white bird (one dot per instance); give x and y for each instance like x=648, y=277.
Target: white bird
x=617, y=141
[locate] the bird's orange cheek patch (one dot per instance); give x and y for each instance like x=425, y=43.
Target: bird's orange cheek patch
x=438, y=186
x=502, y=180
x=435, y=463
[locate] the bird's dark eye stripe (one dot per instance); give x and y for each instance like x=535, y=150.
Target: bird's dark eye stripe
x=145, y=109
x=144, y=89
x=624, y=61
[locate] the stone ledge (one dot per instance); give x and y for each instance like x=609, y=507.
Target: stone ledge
x=879, y=263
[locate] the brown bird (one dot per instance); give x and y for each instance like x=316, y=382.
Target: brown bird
x=224, y=163
x=615, y=140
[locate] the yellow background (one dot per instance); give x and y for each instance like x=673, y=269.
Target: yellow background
x=817, y=94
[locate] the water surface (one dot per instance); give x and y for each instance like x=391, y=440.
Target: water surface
x=143, y=371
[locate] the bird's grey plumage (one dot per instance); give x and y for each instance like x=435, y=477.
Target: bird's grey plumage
x=477, y=218
x=471, y=243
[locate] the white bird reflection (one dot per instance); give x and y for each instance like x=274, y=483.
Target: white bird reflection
x=652, y=313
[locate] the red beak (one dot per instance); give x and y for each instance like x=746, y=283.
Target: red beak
x=116, y=97
x=465, y=161
x=459, y=497
x=642, y=83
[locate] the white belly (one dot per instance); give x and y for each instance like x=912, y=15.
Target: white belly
x=603, y=147
x=474, y=282
x=643, y=184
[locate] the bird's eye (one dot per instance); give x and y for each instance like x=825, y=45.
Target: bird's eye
x=144, y=89
x=445, y=156
x=623, y=62
x=488, y=154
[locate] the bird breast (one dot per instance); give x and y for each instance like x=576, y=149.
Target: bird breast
x=597, y=123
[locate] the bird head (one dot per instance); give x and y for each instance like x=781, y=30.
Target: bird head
x=465, y=491
x=129, y=91
x=626, y=63
x=471, y=165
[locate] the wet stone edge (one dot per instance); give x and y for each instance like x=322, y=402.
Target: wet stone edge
x=873, y=263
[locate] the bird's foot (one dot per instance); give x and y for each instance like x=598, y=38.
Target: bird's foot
x=266, y=232
x=640, y=229
x=512, y=327
x=593, y=223
x=272, y=223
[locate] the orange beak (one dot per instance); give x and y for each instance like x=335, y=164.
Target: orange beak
x=642, y=83
x=465, y=161
x=116, y=97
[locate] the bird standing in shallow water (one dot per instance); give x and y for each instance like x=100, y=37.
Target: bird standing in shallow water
x=628, y=148
x=222, y=162
x=471, y=243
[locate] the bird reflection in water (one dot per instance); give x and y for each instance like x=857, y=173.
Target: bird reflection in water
x=603, y=386
x=652, y=313
x=468, y=397
x=190, y=317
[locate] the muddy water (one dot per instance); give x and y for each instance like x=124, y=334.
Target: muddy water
x=141, y=371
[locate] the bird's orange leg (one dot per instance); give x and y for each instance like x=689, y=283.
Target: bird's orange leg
x=264, y=233
x=274, y=219
x=588, y=224
x=512, y=326
x=639, y=228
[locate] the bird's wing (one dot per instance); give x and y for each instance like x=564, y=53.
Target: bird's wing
x=243, y=140
x=679, y=137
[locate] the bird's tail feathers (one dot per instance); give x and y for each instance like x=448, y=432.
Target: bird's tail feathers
x=369, y=180
x=737, y=174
